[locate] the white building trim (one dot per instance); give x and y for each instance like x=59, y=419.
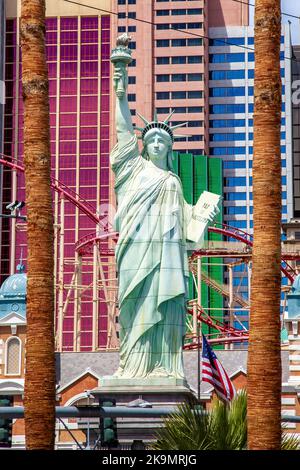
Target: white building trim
x=77, y=377
x=9, y=340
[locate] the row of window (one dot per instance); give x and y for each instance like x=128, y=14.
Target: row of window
x=163, y=26
x=191, y=59
x=235, y=108
x=241, y=210
x=122, y=29
x=234, y=41
x=131, y=14
x=242, y=196
x=180, y=109
x=220, y=123
x=222, y=151
x=191, y=138
x=179, y=42
x=180, y=11
x=234, y=91
x=123, y=2
x=189, y=123
x=234, y=57
x=242, y=181
x=178, y=95
x=235, y=136
x=240, y=164
x=179, y=77
x=233, y=74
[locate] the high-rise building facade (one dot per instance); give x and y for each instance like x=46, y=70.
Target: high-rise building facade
x=78, y=44
x=2, y=99
x=296, y=128
x=231, y=105
x=169, y=67
x=209, y=86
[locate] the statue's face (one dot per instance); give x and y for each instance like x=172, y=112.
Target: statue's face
x=158, y=145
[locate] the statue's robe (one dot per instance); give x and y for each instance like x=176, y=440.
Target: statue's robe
x=152, y=265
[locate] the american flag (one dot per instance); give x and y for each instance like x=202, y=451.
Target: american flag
x=214, y=373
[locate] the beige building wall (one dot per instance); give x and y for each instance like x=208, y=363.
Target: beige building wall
x=61, y=8
x=228, y=13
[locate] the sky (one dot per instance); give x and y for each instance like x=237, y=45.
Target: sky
x=287, y=6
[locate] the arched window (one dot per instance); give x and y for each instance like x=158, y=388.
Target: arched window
x=13, y=356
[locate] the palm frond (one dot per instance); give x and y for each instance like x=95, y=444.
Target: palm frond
x=224, y=427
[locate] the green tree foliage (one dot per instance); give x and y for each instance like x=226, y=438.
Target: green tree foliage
x=223, y=428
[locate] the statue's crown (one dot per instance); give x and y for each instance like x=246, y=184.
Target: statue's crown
x=155, y=124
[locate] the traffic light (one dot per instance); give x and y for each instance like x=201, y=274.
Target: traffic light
x=5, y=424
x=108, y=426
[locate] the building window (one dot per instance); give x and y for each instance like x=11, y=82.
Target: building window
x=162, y=60
x=178, y=95
x=178, y=42
x=163, y=110
x=122, y=15
x=132, y=15
x=13, y=356
x=162, y=95
x=163, y=78
x=131, y=80
x=179, y=12
x=121, y=29
x=162, y=12
x=179, y=25
x=195, y=94
x=226, y=74
x=230, y=57
x=132, y=63
x=195, y=59
x=163, y=43
x=131, y=29
x=227, y=108
x=195, y=109
x=179, y=60
x=131, y=97
x=163, y=26
x=227, y=91
x=178, y=77
x=227, y=41
x=195, y=77
x=195, y=42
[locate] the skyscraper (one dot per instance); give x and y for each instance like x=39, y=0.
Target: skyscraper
x=78, y=50
x=231, y=87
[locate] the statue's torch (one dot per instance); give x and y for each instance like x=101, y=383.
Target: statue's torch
x=120, y=57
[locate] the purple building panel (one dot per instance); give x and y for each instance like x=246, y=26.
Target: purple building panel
x=78, y=50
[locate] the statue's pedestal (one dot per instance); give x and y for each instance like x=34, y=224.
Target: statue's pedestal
x=159, y=392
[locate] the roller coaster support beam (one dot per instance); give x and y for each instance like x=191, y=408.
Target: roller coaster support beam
x=95, y=297
x=199, y=300
x=61, y=275
x=231, y=302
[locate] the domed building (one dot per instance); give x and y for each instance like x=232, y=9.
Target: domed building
x=12, y=341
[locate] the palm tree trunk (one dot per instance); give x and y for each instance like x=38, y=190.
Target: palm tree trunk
x=264, y=361
x=39, y=400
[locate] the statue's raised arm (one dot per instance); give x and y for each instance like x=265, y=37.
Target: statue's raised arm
x=121, y=57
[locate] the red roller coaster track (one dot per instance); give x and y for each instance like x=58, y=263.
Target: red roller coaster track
x=84, y=246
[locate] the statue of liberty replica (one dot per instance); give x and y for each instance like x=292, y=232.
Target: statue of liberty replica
x=151, y=254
